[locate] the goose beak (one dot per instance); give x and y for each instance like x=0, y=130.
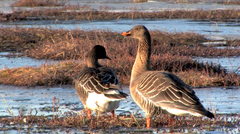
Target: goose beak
x=107, y=57
x=128, y=33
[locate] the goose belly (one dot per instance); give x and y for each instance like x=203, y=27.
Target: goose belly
x=101, y=103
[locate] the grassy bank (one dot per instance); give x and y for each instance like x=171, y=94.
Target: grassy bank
x=66, y=72
x=84, y=12
x=171, y=52
x=225, y=2
x=45, y=43
x=37, y=3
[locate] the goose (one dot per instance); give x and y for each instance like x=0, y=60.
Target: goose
x=157, y=92
x=97, y=86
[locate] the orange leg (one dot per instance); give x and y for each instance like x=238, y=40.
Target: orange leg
x=171, y=121
x=89, y=113
x=112, y=114
x=148, y=121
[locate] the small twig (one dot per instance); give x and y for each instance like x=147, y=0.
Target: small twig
x=53, y=104
x=58, y=104
x=230, y=64
x=135, y=120
x=9, y=109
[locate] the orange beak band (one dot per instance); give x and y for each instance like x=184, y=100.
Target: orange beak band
x=126, y=33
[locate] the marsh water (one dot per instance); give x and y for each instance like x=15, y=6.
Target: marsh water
x=221, y=100
x=211, y=30
x=40, y=99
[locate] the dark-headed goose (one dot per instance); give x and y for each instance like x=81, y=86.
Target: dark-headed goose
x=97, y=86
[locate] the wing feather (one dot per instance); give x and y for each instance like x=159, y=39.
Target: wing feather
x=164, y=89
x=99, y=80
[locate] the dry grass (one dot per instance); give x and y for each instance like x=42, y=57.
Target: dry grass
x=37, y=3
x=44, y=43
x=229, y=2
x=128, y=122
x=225, y=2
x=61, y=73
x=83, y=12
x=139, y=1
x=125, y=123
x=66, y=72
x=171, y=52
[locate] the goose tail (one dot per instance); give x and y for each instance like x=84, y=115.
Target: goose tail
x=210, y=115
x=115, y=94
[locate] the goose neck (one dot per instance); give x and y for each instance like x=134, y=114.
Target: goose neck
x=142, y=62
x=93, y=62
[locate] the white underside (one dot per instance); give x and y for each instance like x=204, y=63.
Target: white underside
x=180, y=112
x=101, y=103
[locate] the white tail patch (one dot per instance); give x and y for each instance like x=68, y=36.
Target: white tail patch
x=101, y=103
x=180, y=112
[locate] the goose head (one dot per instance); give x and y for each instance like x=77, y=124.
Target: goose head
x=137, y=32
x=98, y=52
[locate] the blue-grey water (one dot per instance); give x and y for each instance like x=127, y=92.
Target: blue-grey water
x=19, y=61
x=231, y=64
x=211, y=30
x=40, y=99
x=221, y=100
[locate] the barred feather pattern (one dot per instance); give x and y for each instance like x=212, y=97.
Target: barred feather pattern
x=156, y=92
x=159, y=92
x=100, y=80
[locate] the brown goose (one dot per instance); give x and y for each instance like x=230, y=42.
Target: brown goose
x=97, y=86
x=158, y=91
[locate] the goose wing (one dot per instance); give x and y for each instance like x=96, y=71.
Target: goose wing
x=100, y=80
x=167, y=91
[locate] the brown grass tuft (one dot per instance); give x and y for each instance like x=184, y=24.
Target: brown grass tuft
x=37, y=3
x=225, y=2
x=171, y=52
x=83, y=12
x=61, y=73
x=121, y=124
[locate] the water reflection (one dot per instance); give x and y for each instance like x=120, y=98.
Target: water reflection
x=23, y=98
x=221, y=100
x=14, y=62
x=231, y=64
x=212, y=30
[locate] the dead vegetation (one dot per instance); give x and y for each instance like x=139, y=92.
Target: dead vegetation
x=38, y=3
x=124, y=123
x=171, y=52
x=47, y=43
x=225, y=2
x=84, y=12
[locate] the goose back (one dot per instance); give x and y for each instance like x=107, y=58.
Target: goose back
x=163, y=92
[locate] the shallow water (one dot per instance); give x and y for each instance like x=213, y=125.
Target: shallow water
x=231, y=64
x=14, y=62
x=23, y=99
x=221, y=100
x=211, y=30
